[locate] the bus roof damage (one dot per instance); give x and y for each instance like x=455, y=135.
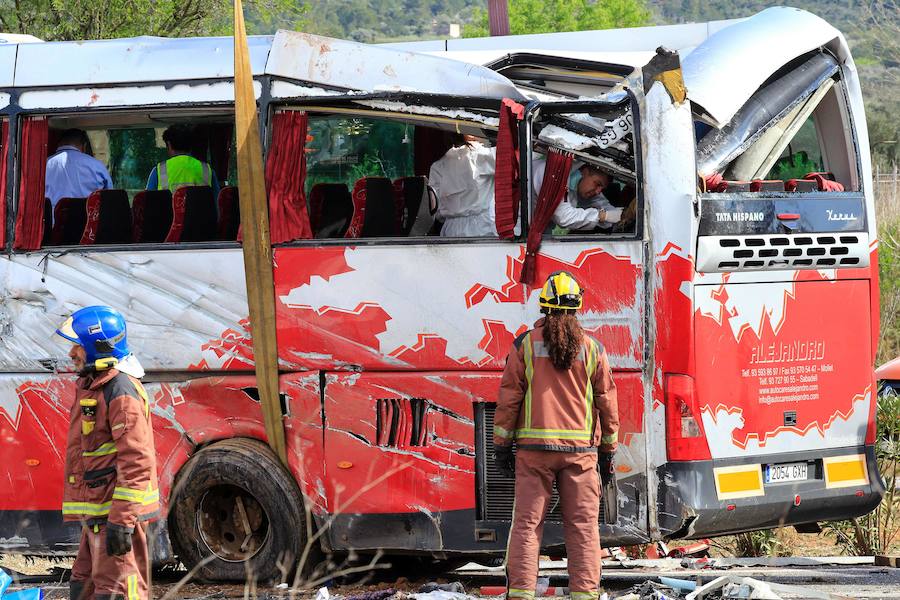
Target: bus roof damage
x=723, y=64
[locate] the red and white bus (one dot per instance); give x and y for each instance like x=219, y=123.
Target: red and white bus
x=739, y=309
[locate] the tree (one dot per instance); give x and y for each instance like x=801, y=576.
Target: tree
x=546, y=16
x=103, y=19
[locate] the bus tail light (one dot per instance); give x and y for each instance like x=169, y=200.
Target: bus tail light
x=685, y=438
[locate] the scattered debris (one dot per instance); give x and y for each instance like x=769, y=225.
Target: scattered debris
x=453, y=586
x=701, y=563
x=741, y=588
x=684, y=585
x=383, y=595
x=26, y=594
x=323, y=594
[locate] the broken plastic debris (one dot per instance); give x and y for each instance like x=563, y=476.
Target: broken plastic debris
x=441, y=595
x=29, y=594
x=284, y=586
x=5, y=580
x=734, y=587
x=684, y=585
x=323, y=594
x=453, y=586
x=701, y=563
x=26, y=594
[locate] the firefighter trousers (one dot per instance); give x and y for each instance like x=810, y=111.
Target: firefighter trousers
x=575, y=474
x=99, y=576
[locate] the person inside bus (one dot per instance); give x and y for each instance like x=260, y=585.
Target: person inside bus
x=584, y=207
x=181, y=169
x=463, y=180
x=71, y=171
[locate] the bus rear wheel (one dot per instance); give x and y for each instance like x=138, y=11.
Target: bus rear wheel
x=236, y=513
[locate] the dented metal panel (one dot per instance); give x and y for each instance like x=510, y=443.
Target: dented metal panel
x=186, y=309
x=127, y=60
x=355, y=66
x=455, y=306
x=723, y=72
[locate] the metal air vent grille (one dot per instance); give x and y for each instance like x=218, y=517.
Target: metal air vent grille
x=499, y=491
x=768, y=252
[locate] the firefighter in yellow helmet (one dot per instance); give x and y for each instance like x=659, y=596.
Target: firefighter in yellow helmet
x=558, y=404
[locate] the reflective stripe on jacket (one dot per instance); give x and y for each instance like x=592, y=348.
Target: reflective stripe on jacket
x=110, y=458
x=180, y=171
x=542, y=407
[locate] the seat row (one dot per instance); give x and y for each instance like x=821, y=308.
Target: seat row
x=156, y=216
x=811, y=182
x=376, y=207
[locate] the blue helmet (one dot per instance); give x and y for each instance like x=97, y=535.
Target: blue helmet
x=100, y=330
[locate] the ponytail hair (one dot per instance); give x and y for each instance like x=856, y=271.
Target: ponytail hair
x=563, y=337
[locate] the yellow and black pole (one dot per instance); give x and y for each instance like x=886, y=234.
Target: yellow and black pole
x=257, y=247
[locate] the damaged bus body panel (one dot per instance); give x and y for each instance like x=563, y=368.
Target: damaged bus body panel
x=392, y=338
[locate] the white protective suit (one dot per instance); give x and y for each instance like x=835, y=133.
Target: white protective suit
x=568, y=214
x=463, y=180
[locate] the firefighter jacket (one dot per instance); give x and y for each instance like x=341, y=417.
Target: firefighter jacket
x=110, y=458
x=544, y=408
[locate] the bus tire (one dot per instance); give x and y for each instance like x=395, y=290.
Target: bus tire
x=235, y=512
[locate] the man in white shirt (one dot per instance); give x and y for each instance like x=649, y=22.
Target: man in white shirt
x=463, y=180
x=71, y=173
x=584, y=207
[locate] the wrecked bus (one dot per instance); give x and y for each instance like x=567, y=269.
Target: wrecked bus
x=739, y=308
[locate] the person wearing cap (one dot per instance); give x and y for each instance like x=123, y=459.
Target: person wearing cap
x=111, y=485
x=557, y=404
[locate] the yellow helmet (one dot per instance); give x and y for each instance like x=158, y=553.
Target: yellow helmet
x=561, y=292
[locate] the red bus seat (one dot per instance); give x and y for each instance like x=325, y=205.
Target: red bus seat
x=193, y=215
x=812, y=182
x=108, y=218
x=374, y=210
x=767, y=185
x=69, y=218
x=330, y=209
x=151, y=216
x=229, y=213
x=415, y=208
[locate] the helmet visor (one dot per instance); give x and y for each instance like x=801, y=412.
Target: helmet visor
x=66, y=331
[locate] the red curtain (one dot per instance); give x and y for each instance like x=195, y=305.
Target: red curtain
x=506, y=176
x=33, y=158
x=286, y=178
x=429, y=145
x=553, y=188
x=4, y=146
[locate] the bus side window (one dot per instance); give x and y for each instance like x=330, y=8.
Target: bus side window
x=377, y=178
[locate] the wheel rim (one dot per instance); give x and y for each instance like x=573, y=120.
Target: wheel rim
x=232, y=523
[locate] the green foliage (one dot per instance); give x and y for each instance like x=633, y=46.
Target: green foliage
x=753, y=544
x=103, y=19
x=877, y=532
x=889, y=282
x=544, y=16
x=381, y=20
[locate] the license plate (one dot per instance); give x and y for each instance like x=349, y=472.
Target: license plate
x=786, y=472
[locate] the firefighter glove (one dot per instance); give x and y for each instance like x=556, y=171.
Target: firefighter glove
x=605, y=466
x=118, y=540
x=505, y=460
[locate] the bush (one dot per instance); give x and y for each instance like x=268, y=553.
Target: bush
x=876, y=532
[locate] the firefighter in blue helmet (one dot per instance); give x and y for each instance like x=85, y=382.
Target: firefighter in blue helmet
x=111, y=485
